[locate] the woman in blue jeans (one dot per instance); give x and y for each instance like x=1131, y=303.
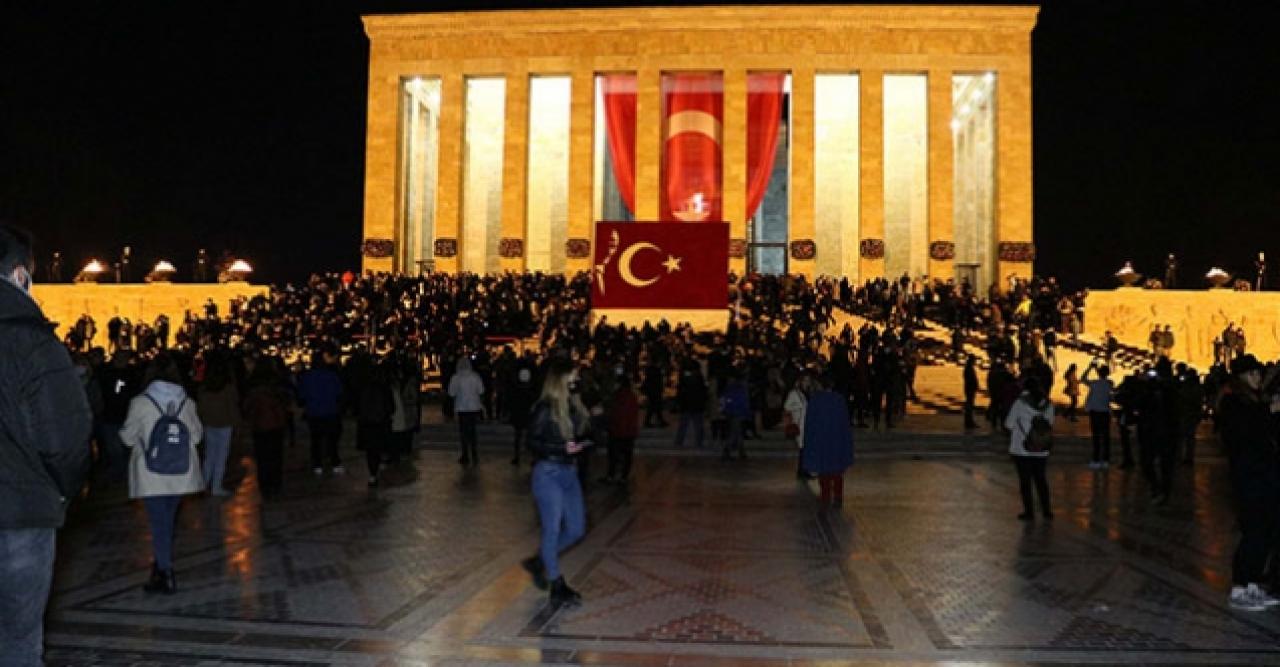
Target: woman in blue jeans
x=162, y=493
x=557, y=430
x=219, y=410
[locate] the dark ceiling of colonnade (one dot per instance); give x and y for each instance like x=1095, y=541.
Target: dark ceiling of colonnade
x=171, y=126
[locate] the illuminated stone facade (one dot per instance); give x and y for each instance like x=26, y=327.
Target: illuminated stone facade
x=873, y=44
x=1196, y=318
x=138, y=302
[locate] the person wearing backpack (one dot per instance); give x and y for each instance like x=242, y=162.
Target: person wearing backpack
x=266, y=408
x=162, y=428
x=1030, y=423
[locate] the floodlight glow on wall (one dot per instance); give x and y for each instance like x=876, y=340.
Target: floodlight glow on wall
x=162, y=272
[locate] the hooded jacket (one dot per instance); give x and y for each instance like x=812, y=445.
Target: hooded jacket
x=44, y=418
x=136, y=431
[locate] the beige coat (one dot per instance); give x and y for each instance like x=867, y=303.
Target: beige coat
x=136, y=431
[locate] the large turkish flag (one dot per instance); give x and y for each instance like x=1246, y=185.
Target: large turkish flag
x=660, y=265
x=691, y=176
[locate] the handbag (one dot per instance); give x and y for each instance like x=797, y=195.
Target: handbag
x=1039, y=439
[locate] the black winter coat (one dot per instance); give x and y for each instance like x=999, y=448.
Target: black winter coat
x=1250, y=440
x=521, y=399
x=691, y=392
x=44, y=418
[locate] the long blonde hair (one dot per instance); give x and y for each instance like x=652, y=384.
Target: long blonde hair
x=562, y=403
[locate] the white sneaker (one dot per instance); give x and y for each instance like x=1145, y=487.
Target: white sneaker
x=317, y=471
x=1261, y=596
x=1242, y=601
x=339, y=470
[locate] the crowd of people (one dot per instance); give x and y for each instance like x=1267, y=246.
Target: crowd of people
x=362, y=345
x=523, y=349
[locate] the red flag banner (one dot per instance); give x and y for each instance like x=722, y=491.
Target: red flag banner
x=619, y=92
x=660, y=265
x=691, y=171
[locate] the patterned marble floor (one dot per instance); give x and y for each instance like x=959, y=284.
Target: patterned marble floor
x=698, y=563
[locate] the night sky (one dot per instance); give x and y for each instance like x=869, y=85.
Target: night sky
x=173, y=126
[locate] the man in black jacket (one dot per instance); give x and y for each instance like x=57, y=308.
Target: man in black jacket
x=691, y=397
x=44, y=451
x=970, y=392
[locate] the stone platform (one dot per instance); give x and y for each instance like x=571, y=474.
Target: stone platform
x=1197, y=317
x=140, y=302
x=698, y=562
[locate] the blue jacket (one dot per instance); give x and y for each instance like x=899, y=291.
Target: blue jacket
x=828, y=440
x=735, y=402
x=320, y=393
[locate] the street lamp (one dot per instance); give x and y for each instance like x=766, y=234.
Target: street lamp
x=1127, y=276
x=237, y=271
x=92, y=272
x=1217, y=277
x=162, y=272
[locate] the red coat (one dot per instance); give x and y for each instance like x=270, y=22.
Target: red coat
x=624, y=419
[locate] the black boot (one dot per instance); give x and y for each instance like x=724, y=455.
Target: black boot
x=170, y=583
x=156, y=583
x=561, y=594
x=533, y=565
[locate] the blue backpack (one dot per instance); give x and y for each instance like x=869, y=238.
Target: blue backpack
x=168, y=449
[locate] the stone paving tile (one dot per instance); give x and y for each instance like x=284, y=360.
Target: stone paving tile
x=699, y=562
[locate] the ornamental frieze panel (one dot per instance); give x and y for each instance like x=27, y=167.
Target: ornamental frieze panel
x=378, y=248
x=446, y=247
x=1017, y=251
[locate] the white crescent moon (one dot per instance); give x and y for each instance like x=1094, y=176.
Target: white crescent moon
x=700, y=122
x=624, y=264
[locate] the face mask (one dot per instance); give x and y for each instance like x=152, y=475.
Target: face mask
x=22, y=278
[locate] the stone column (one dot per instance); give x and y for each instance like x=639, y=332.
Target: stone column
x=733, y=146
x=380, y=210
x=801, y=249
x=448, y=244
x=513, y=247
x=1015, y=251
x=871, y=166
x=648, y=141
x=942, y=247
x=581, y=132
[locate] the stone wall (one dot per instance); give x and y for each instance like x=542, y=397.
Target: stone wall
x=142, y=302
x=1197, y=317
